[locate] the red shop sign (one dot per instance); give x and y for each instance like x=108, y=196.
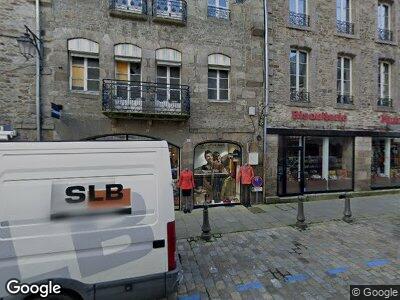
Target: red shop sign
x=388, y=120
x=321, y=116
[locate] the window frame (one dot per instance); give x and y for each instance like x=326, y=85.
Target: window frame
x=298, y=51
x=381, y=4
x=129, y=62
x=218, y=89
x=85, y=58
x=305, y=12
x=168, y=81
x=382, y=77
x=343, y=11
x=342, y=80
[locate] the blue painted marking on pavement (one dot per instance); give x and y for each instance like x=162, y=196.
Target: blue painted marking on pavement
x=334, y=272
x=252, y=285
x=190, y=297
x=377, y=263
x=296, y=278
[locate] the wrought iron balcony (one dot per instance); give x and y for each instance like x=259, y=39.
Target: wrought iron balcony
x=146, y=100
x=385, y=34
x=299, y=96
x=170, y=10
x=298, y=19
x=129, y=6
x=345, y=99
x=218, y=12
x=385, y=102
x=345, y=27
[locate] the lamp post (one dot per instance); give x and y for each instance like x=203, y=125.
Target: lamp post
x=31, y=46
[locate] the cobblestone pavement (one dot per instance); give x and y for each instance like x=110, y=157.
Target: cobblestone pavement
x=285, y=263
x=239, y=218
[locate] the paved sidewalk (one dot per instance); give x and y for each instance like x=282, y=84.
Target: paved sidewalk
x=239, y=218
x=285, y=263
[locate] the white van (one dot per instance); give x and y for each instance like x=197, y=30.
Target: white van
x=95, y=218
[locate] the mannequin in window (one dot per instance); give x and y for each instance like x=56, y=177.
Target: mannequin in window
x=186, y=184
x=245, y=176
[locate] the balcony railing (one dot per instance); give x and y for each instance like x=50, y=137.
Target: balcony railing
x=298, y=19
x=345, y=27
x=123, y=99
x=172, y=10
x=299, y=96
x=130, y=6
x=385, y=34
x=345, y=99
x=385, y=102
x=218, y=12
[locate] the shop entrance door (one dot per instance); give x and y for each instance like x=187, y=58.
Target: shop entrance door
x=291, y=166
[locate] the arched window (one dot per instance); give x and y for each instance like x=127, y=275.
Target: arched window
x=84, y=65
x=218, y=77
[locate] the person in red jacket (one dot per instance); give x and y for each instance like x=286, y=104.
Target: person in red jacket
x=244, y=177
x=186, y=184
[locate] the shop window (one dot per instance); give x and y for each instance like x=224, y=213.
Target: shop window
x=315, y=164
x=385, y=167
x=215, y=169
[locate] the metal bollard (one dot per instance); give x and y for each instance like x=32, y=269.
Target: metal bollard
x=301, y=219
x=206, y=228
x=347, y=215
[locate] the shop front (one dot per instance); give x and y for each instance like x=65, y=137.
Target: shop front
x=216, y=165
x=315, y=164
x=174, y=152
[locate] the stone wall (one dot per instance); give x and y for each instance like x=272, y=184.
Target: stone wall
x=17, y=75
x=324, y=44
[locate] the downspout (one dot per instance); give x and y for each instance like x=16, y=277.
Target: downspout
x=38, y=71
x=266, y=92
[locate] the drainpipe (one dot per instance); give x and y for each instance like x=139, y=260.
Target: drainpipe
x=266, y=92
x=38, y=70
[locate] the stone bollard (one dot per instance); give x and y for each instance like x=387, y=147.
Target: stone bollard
x=301, y=219
x=206, y=228
x=347, y=215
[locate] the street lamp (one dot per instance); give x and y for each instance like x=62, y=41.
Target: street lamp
x=29, y=44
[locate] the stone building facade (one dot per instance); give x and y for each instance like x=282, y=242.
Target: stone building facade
x=187, y=72
x=334, y=96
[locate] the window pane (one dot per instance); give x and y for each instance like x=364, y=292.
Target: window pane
x=293, y=81
x=346, y=75
x=211, y=2
x=121, y=70
x=293, y=56
x=77, y=84
x=223, y=84
x=175, y=72
x=303, y=57
x=93, y=73
x=293, y=69
x=78, y=72
x=347, y=63
x=93, y=62
x=135, y=78
x=212, y=94
x=212, y=83
x=174, y=81
x=161, y=80
x=293, y=5
x=339, y=87
x=161, y=94
x=78, y=60
x=347, y=88
x=161, y=71
x=93, y=85
x=223, y=74
x=175, y=96
x=212, y=73
x=302, y=70
x=135, y=68
x=302, y=82
x=223, y=3
x=302, y=6
x=223, y=94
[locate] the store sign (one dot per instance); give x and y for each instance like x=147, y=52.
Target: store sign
x=388, y=120
x=325, y=117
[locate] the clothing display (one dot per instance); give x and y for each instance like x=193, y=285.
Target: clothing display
x=228, y=188
x=246, y=174
x=186, y=180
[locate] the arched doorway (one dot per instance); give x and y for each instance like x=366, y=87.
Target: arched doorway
x=216, y=164
x=174, y=152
